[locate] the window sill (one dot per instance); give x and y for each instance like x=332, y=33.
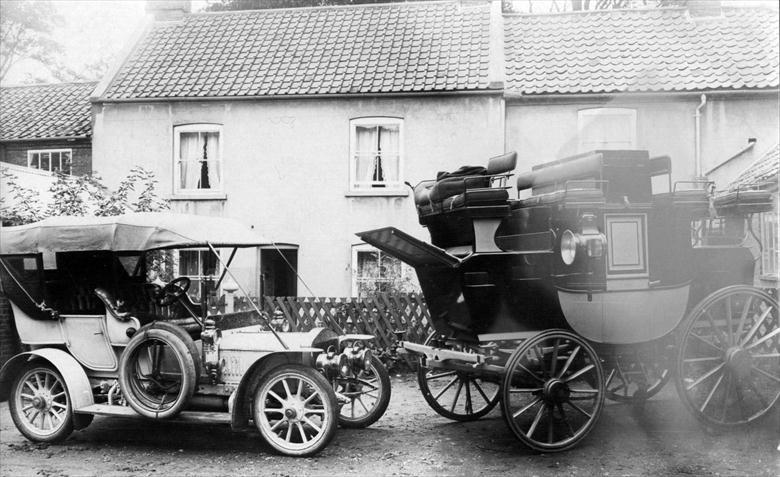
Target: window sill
x=377, y=192
x=198, y=196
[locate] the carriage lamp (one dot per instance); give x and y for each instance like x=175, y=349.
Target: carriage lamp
x=592, y=241
x=569, y=243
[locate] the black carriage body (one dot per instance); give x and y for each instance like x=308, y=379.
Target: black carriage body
x=635, y=269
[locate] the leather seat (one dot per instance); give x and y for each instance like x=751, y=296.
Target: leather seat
x=570, y=197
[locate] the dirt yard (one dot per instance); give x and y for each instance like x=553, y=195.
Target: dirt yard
x=660, y=438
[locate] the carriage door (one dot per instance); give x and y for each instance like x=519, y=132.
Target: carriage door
x=626, y=251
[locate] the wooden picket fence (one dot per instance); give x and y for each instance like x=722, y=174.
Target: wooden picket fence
x=381, y=315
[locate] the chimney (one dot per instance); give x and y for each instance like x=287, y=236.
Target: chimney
x=704, y=8
x=167, y=10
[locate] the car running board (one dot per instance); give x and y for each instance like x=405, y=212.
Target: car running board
x=127, y=411
x=408, y=249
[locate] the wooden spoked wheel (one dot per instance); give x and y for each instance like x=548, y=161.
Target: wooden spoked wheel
x=728, y=367
x=368, y=392
x=457, y=395
x=40, y=404
x=635, y=373
x=553, y=391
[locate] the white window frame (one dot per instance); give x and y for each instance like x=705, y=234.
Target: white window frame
x=199, y=128
x=30, y=153
x=200, y=276
x=386, y=186
x=364, y=247
x=770, y=255
x=586, y=116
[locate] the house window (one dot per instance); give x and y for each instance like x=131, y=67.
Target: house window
x=200, y=266
x=374, y=271
x=376, y=154
x=51, y=160
x=606, y=128
x=197, y=158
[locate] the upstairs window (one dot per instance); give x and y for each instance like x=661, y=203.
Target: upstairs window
x=50, y=160
x=197, y=158
x=606, y=128
x=376, y=154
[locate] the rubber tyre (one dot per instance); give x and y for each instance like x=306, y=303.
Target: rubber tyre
x=17, y=401
x=380, y=406
x=264, y=405
x=143, y=404
x=188, y=341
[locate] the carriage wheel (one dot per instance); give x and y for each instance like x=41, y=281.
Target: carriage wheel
x=728, y=366
x=457, y=395
x=638, y=372
x=553, y=391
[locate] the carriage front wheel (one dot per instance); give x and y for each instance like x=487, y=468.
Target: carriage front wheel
x=728, y=366
x=553, y=391
x=456, y=395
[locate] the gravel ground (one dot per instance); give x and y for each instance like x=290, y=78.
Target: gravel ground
x=659, y=438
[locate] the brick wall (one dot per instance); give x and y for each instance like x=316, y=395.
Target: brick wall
x=16, y=153
x=9, y=340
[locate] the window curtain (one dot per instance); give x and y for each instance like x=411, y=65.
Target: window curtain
x=365, y=150
x=388, y=147
x=212, y=160
x=189, y=160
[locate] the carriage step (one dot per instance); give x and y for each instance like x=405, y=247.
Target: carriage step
x=127, y=411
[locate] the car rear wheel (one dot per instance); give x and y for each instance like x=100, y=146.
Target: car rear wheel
x=40, y=404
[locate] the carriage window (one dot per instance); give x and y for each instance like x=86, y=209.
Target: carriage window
x=606, y=128
x=376, y=154
x=201, y=267
x=197, y=158
x=51, y=160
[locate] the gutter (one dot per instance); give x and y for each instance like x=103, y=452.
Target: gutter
x=405, y=94
x=34, y=139
x=511, y=96
x=751, y=144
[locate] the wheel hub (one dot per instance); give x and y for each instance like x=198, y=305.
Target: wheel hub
x=738, y=361
x=293, y=410
x=41, y=401
x=555, y=391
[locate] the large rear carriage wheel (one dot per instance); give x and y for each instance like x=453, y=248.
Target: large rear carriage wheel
x=728, y=367
x=553, y=391
x=457, y=395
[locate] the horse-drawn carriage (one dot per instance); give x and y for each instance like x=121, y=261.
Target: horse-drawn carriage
x=104, y=340
x=605, y=281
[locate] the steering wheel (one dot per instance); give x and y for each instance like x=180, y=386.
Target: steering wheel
x=173, y=290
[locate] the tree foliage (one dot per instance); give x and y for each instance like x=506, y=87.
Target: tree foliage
x=82, y=195
x=25, y=33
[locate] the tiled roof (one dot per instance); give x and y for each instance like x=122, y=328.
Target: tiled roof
x=45, y=111
x=401, y=47
x=641, y=50
x=763, y=171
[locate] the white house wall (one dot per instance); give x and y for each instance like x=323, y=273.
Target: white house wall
x=542, y=132
x=286, y=164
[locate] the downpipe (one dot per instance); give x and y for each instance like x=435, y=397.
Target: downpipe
x=697, y=151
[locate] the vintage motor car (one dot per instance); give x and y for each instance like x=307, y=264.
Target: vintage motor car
x=101, y=339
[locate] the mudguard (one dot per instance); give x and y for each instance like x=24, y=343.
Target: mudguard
x=75, y=378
